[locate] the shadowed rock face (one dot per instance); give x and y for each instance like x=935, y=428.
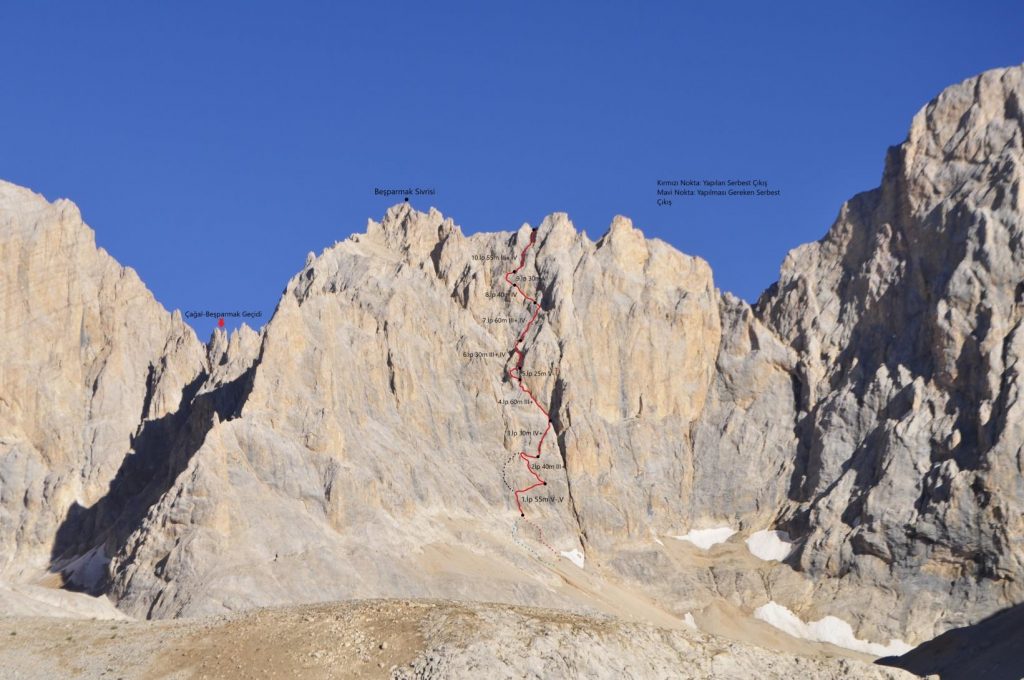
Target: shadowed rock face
x=365, y=442
x=906, y=320
x=991, y=649
x=87, y=355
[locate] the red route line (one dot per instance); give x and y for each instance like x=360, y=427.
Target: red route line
x=516, y=373
x=540, y=536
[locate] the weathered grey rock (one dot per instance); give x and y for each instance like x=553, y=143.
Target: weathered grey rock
x=372, y=414
x=744, y=439
x=906, y=318
x=87, y=354
x=365, y=442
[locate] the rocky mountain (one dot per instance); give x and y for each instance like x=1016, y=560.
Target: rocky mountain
x=88, y=353
x=906, y=319
x=534, y=417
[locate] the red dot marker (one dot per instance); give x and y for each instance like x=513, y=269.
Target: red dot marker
x=220, y=322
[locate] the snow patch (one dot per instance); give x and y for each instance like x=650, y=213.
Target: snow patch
x=705, y=538
x=689, y=622
x=830, y=629
x=574, y=556
x=89, y=570
x=770, y=545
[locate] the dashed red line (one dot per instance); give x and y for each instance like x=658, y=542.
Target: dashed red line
x=516, y=373
x=540, y=536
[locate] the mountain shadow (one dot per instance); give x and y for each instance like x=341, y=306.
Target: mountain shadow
x=163, y=447
x=992, y=649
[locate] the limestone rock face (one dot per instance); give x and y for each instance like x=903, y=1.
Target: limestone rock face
x=906, y=319
x=87, y=355
x=533, y=416
x=382, y=418
x=744, y=439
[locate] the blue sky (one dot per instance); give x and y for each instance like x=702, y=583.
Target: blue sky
x=212, y=145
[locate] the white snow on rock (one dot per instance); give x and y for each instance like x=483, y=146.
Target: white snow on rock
x=689, y=622
x=88, y=570
x=769, y=545
x=574, y=556
x=705, y=538
x=830, y=629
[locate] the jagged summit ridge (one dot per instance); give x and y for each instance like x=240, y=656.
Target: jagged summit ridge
x=906, y=318
x=76, y=376
x=359, y=444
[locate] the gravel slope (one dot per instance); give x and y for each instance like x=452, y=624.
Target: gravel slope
x=399, y=639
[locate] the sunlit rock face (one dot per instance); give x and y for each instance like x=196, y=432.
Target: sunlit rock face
x=366, y=442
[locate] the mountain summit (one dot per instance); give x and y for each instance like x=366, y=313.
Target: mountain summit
x=535, y=418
